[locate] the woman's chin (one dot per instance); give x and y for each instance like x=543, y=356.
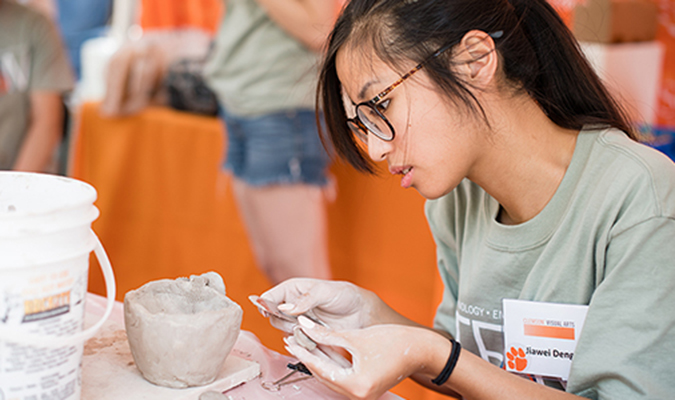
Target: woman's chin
x=432, y=193
x=429, y=194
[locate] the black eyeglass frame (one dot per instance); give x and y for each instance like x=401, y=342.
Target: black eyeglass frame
x=361, y=130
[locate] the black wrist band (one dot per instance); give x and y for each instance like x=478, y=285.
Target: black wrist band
x=449, y=365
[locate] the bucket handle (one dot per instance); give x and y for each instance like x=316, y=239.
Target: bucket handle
x=80, y=337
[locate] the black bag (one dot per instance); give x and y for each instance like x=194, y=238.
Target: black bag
x=187, y=90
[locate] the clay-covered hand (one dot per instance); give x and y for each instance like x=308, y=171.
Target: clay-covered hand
x=382, y=356
x=340, y=305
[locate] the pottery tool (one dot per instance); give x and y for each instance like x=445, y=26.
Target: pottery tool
x=297, y=367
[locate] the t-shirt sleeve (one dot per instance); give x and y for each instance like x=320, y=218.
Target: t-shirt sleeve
x=439, y=217
x=627, y=345
x=51, y=69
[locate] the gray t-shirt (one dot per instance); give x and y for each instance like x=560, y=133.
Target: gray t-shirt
x=606, y=239
x=32, y=58
x=256, y=67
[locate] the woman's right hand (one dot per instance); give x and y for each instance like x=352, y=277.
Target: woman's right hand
x=340, y=305
x=381, y=356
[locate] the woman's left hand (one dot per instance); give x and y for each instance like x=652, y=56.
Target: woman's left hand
x=382, y=356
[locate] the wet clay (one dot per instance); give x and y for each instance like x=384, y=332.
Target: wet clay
x=181, y=331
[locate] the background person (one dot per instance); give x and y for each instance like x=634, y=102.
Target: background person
x=263, y=71
x=537, y=191
x=79, y=21
x=34, y=75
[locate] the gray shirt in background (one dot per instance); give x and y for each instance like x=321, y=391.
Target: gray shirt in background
x=32, y=58
x=256, y=67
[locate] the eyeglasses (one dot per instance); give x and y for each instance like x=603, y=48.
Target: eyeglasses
x=370, y=114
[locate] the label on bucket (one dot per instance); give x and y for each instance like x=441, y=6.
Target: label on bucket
x=45, y=301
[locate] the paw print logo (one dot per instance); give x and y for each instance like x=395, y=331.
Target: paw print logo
x=516, y=359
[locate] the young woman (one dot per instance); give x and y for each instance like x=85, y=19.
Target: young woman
x=263, y=71
x=537, y=191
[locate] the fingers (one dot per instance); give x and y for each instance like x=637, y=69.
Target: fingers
x=289, y=291
x=327, y=339
x=254, y=300
x=264, y=309
x=302, y=339
x=292, y=342
x=317, y=296
x=281, y=324
x=297, y=295
x=356, y=379
x=336, y=356
x=339, y=305
x=319, y=362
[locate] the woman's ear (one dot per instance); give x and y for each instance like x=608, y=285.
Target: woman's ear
x=477, y=58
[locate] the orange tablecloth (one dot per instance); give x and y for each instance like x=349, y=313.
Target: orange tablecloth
x=167, y=211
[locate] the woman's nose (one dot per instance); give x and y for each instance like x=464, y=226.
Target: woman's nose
x=378, y=149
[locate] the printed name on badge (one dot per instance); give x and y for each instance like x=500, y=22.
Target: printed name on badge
x=540, y=338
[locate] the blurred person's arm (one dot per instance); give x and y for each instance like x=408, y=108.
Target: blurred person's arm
x=51, y=77
x=44, y=132
x=309, y=21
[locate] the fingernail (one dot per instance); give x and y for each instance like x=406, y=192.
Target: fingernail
x=306, y=322
x=286, y=307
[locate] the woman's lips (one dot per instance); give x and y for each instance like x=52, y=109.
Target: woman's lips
x=407, y=173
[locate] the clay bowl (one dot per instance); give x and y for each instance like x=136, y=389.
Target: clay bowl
x=181, y=331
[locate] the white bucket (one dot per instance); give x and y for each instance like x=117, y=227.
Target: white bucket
x=45, y=242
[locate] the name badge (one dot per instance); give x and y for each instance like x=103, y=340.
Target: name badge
x=540, y=338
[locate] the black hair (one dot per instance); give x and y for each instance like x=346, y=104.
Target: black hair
x=538, y=53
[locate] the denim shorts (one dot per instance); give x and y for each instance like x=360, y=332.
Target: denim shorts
x=278, y=148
